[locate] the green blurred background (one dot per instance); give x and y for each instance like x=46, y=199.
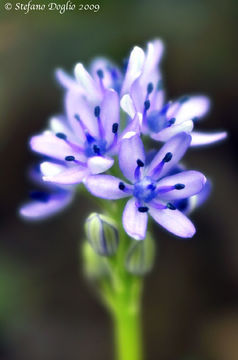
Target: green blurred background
x=47, y=310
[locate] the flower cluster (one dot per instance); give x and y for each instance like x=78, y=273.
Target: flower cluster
x=109, y=117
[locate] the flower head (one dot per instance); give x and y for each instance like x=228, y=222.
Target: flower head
x=163, y=120
x=83, y=142
x=141, y=67
x=150, y=189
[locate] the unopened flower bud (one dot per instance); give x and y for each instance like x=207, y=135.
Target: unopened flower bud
x=102, y=234
x=93, y=266
x=140, y=256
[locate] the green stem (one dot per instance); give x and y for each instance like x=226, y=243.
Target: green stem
x=121, y=292
x=128, y=337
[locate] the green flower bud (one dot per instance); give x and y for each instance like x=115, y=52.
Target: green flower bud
x=93, y=266
x=102, y=234
x=140, y=257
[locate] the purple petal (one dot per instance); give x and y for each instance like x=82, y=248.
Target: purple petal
x=150, y=74
x=128, y=106
x=78, y=106
x=105, y=186
x=48, y=168
x=167, y=133
x=130, y=151
x=194, y=181
x=154, y=54
x=37, y=210
x=197, y=200
x=99, y=164
x=108, y=69
x=194, y=107
x=68, y=82
x=58, y=124
x=133, y=127
x=157, y=100
x=202, y=138
x=50, y=145
x=88, y=84
x=177, y=145
x=134, y=222
x=174, y=221
x=134, y=68
x=110, y=113
x=69, y=176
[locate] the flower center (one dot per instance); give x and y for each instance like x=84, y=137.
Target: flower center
x=157, y=120
x=145, y=190
x=95, y=147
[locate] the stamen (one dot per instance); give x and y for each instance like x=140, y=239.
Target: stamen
x=69, y=158
x=121, y=186
x=171, y=206
x=164, y=189
x=140, y=163
x=72, y=158
x=97, y=111
x=150, y=88
x=151, y=187
x=165, y=109
x=61, y=136
x=143, y=209
x=171, y=121
x=100, y=73
x=179, y=186
x=77, y=117
x=167, y=157
x=96, y=149
x=160, y=166
x=147, y=105
x=114, y=128
x=88, y=136
x=137, y=173
x=39, y=195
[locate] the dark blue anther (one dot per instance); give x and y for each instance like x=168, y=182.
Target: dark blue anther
x=69, y=158
x=96, y=149
x=147, y=104
x=167, y=157
x=179, y=186
x=121, y=186
x=77, y=117
x=151, y=187
x=171, y=121
x=61, y=136
x=171, y=206
x=97, y=111
x=183, y=99
x=114, y=128
x=100, y=74
x=150, y=88
x=143, y=209
x=140, y=163
x=40, y=196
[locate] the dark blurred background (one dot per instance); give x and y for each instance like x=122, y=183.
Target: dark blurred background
x=47, y=309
